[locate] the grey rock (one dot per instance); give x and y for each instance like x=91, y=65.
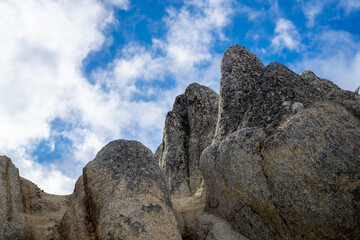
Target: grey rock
x=323, y=85
x=287, y=165
x=42, y=211
x=235, y=184
x=264, y=103
x=189, y=129
x=239, y=70
x=312, y=164
x=357, y=90
x=75, y=224
x=330, y=91
x=198, y=224
x=301, y=182
x=127, y=195
x=12, y=222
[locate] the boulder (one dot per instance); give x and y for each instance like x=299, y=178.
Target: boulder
x=329, y=91
x=235, y=184
x=127, y=195
x=189, y=129
x=288, y=165
x=12, y=222
x=239, y=70
x=301, y=182
x=312, y=164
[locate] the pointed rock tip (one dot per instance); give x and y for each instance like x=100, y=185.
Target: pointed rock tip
x=308, y=75
x=237, y=52
x=276, y=68
x=195, y=87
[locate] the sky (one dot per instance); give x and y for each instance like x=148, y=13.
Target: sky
x=75, y=75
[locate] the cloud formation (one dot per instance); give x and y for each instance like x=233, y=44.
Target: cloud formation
x=286, y=36
x=42, y=81
x=45, y=42
x=335, y=59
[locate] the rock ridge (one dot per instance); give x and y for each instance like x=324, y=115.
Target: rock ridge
x=275, y=156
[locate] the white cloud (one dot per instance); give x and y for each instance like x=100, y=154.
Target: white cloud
x=44, y=43
x=286, y=36
x=335, y=60
x=41, y=80
x=122, y=4
x=311, y=10
x=350, y=5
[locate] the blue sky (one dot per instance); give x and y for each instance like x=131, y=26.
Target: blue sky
x=75, y=75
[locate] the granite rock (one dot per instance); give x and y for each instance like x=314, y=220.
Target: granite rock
x=189, y=129
x=127, y=195
x=239, y=70
x=312, y=164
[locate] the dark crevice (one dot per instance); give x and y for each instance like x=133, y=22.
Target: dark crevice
x=186, y=128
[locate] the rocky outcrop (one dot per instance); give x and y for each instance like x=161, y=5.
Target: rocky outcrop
x=357, y=90
x=330, y=92
x=239, y=70
x=290, y=167
x=277, y=156
x=189, y=129
x=312, y=163
x=12, y=222
x=127, y=194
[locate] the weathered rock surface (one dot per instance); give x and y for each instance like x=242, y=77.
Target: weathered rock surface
x=236, y=187
x=330, y=92
x=239, y=70
x=127, y=194
x=189, y=129
x=277, y=156
x=195, y=223
x=42, y=211
x=12, y=222
x=76, y=223
x=312, y=163
x=357, y=90
x=290, y=167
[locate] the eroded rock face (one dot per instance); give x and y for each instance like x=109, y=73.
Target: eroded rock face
x=189, y=129
x=313, y=167
x=290, y=167
x=239, y=70
x=236, y=187
x=127, y=194
x=42, y=211
x=357, y=90
x=12, y=222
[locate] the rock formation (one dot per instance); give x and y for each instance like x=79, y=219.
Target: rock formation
x=189, y=129
x=239, y=70
x=275, y=156
x=127, y=194
x=121, y=195
x=290, y=167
